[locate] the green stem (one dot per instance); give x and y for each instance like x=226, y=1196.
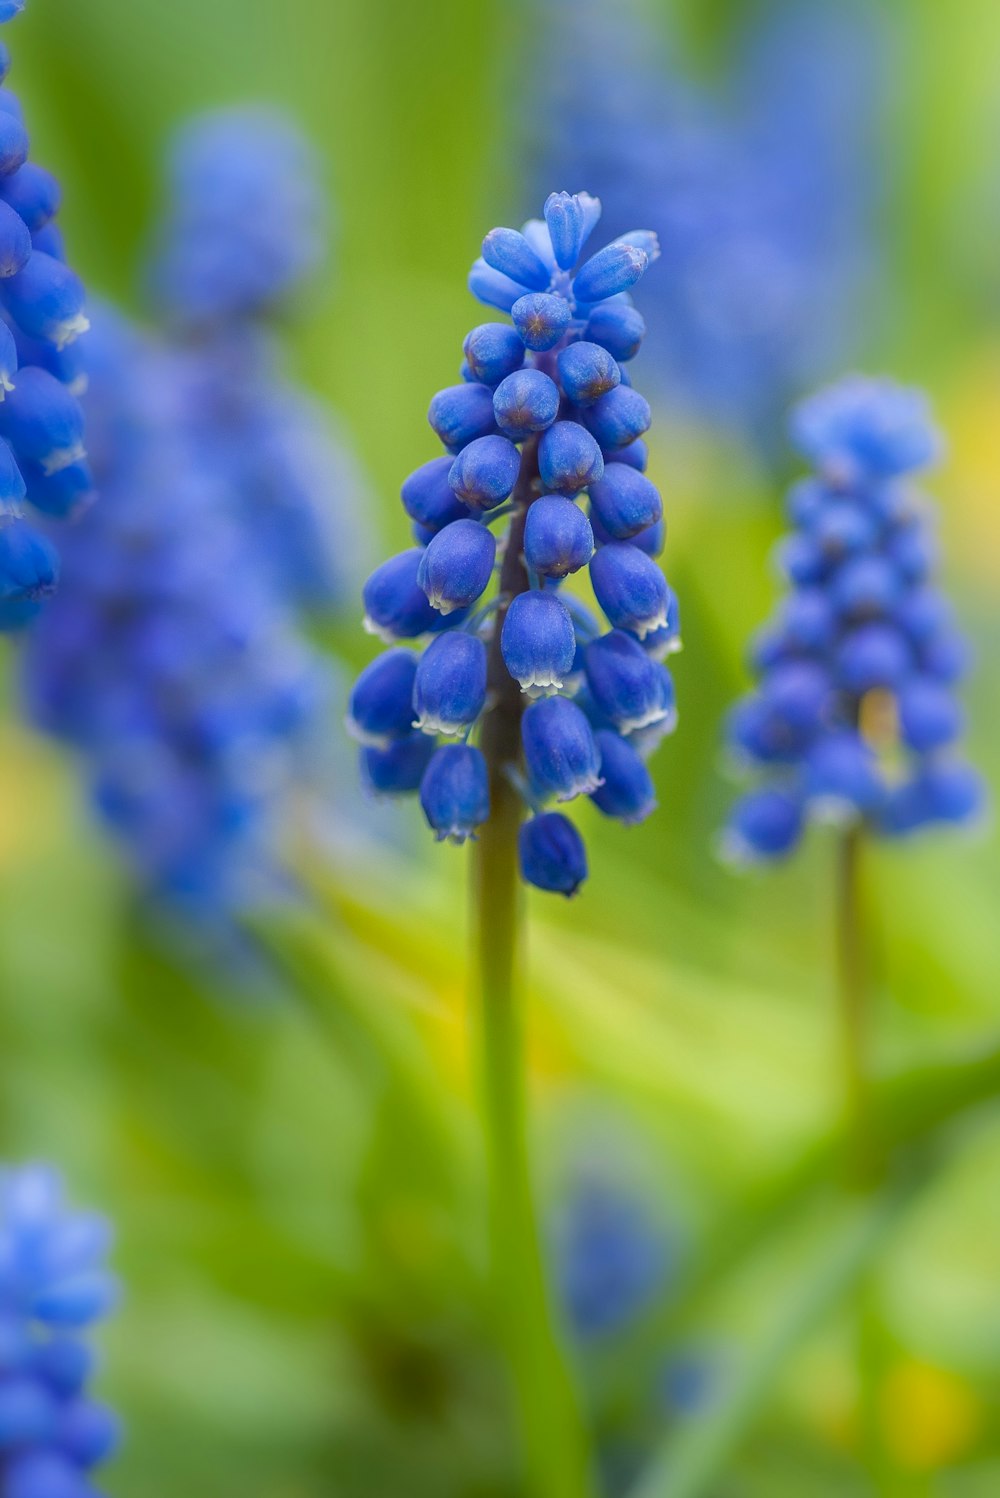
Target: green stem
x=853, y=1002
x=556, y=1456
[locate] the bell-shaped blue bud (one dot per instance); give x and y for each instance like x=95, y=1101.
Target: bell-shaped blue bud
x=946, y=657
x=913, y=552
x=455, y=792
x=12, y=486
x=763, y=825
x=627, y=792
x=570, y=217
x=841, y=776
x=586, y=372
x=929, y=715
x=612, y=270
x=642, y=239
x=89, y=1433
x=64, y=494
x=618, y=418
x=429, y=499
x=42, y=421
x=381, y=702
x=617, y=327
x=484, y=473
x=626, y=685
x=29, y=566
x=449, y=689
x=15, y=241
x=559, y=749
x=558, y=539
x=398, y=769
x=552, y=854
x=541, y=319
x=659, y=643
x=50, y=241
x=33, y=193
x=524, y=403
x=457, y=566
x=635, y=454
x=807, y=624
x=461, y=413
x=865, y=588
x=493, y=351
x=569, y=459
x=948, y=791
x=625, y=501
x=508, y=252
x=396, y=606
x=630, y=588
x=538, y=642
x=492, y=288
x=874, y=655
x=923, y=613
x=13, y=143
x=46, y=300
x=76, y=1300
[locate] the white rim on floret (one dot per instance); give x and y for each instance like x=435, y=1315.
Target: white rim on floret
x=645, y=627
x=428, y=723
x=583, y=787
x=65, y=332
x=62, y=458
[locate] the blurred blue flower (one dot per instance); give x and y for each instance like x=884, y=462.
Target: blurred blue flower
x=53, y=1288
x=855, y=716
x=611, y=1257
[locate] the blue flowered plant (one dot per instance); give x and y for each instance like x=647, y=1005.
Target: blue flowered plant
x=42, y=459
x=855, y=715
x=544, y=413
x=53, y=1288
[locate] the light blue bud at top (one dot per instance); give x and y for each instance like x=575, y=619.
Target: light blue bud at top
x=558, y=538
x=429, y=499
x=457, y=566
x=617, y=327
x=493, y=351
x=13, y=142
x=630, y=588
x=873, y=655
x=764, y=825
x=29, y=566
x=864, y=428
x=642, y=239
x=619, y=417
x=397, y=769
x=625, y=501
x=626, y=684
x=8, y=361
x=627, y=792
x=559, y=749
x=538, y=642
x=46, y=300
x=396, y=606
x=493, y=288
x=541, y=319
x=508, y=252
x=586, y=372
x=12, y=486
x=484, y=473
x=612, y=270
x=524, y=403
x=449, y=689
x=381, y=702
x=570, y=217
x=33, y=193
x=569, y=458
x=929, y=716
x=552, y=854
x=15, y=241
x=455, y=792
x=461, y=413
x=42, y=421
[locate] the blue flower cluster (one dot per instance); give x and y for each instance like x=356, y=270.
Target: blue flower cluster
x=544, y=411
x=42, y=461
x=53, y=1288
x=855, y=714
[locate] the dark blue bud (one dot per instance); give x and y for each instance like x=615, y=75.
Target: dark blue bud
x=422, y=534
x=15, y=241
x=929, y=716
x=635, y=454
x=946, y=657
x=874, y=655
x=398, y=769
x=538, y=642
x=617, y=327
x=33, y=193
x=455, y=792
x=913, y=552
x=508, y=252
x=923, y=613
x=460, y=414
x=449, y=690
x=630, y=588
x=489, y=286
x=806, y=501
x=801, y=560
x=866, y=587
x=559, y=749
x=941, y=791
x=570, y=217
x=627, y=685
x=12, y=486
x=429, y=499
x=50, y=241
x=618, y=418
x=765, y=824
x=29, y=566
x=625, y=501
x=457, y=566
x=613, y=269
x=46, y=299
x=541, y=319
x=842, y=530
x=651, y=540
x=586, y=372
x=807, y=624
x=485, y=472
x=627, y=792
x=552, y=853
x=568, y=458
x=524, y=403
x=13, y=143
x=493, y=351
x=64, y=494
x=42, y=421
x=841, y=776
x=396, y=606
x=558, y=539
x=381, y=702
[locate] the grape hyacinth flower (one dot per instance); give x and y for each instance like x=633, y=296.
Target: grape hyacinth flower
x=544, y=415
x=42, y=458
x=53, y=1288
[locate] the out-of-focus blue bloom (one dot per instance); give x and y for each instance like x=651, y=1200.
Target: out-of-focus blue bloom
x=53, y=1288
x=852, y=717
x=612, y=1258
x=544, y=413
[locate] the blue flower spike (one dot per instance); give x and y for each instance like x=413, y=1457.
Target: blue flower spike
x=543, y=479
x=851, y=720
